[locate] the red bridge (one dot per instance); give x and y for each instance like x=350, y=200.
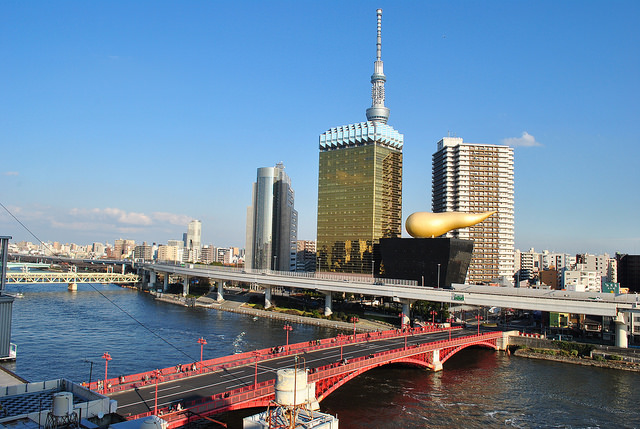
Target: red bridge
x=193, y=391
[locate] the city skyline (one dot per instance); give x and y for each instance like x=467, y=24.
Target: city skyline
x=129, y=121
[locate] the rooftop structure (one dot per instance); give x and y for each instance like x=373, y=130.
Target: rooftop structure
x=32, y=405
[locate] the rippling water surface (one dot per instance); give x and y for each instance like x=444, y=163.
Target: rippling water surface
x=57, y=331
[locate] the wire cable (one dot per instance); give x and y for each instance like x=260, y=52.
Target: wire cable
x=103, y=295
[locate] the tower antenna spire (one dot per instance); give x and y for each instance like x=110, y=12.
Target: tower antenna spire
x=378, y=112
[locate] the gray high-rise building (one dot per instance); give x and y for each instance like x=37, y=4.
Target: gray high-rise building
x=272, y=222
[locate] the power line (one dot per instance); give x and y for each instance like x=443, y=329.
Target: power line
x=103, y=295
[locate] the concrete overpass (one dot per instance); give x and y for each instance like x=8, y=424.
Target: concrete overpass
x=406, y=292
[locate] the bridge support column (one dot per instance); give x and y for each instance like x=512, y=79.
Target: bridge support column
x=72, y=286
x=406, y=312
x=621, y=331
x=165, y=285
x=152, y=280
x=220, y=294
x=185, y=286
x=328, y=310
x=267, y=297
x=437, y=365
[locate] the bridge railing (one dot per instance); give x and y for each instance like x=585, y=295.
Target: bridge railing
x=215, y=403
x=260, y=394
x=147, y=378
x=299, y=274
x=337, y=368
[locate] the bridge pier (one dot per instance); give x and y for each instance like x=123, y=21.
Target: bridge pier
x=267, y=297
x=72, y=286
x=328, y=310
x=406, y=313
x=220, y=294
x=185, y=286
x=437, y=364
x=165, y=284
x=621, y=331
x=152, y=280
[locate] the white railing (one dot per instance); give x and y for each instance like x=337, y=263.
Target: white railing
x=300, y=274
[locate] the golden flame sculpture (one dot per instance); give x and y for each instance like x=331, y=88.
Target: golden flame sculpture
x=429, y=225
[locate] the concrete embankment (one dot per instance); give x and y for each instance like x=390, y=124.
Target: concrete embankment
x=603, y=356
x=627, y=366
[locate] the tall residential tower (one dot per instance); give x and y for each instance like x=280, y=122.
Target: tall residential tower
x=474, y=178
x=272, y=222
x=359, y=184
x=193, y=241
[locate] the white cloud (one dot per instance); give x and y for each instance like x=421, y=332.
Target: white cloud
x=171, y=218
x=526, y=140
x=122, y=217
x=10, y=173
x=130, y=218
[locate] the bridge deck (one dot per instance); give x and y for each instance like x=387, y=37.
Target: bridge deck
x=222, y=378
x=71, y=277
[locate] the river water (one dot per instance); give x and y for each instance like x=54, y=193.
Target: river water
x=60, y=332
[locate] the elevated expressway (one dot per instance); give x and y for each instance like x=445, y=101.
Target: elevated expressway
x=407, y=292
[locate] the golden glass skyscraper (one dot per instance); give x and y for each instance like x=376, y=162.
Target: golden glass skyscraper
x=359, y=184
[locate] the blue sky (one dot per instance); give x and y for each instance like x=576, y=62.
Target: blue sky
x=127, y=119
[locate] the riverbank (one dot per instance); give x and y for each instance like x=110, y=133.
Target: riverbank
x=553, y=355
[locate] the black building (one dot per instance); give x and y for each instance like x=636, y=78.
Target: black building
x=629, y=271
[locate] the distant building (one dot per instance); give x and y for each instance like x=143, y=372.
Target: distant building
x=98, y=249
x=272, y=222
x=557, y=261
x=123, y=249
x=143, y=252
x=629, y=271
x=224, y=255
x=475, y=178
x=207, y=254
x=359, y=184
x=193, y=240
x=527, y=265
x=549, y=277
x=580, y=279
x=306, y=255
x=168, y=253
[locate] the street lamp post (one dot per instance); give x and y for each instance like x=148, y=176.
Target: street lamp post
x=156, y=374
x=107, y=357
x=438, y=275
x=354, y=320
x=202, y=343
x=288, y=329
x=479, y=317
x=433, y=316
x=401, y=321
x=90, y=369
x=255, y=377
